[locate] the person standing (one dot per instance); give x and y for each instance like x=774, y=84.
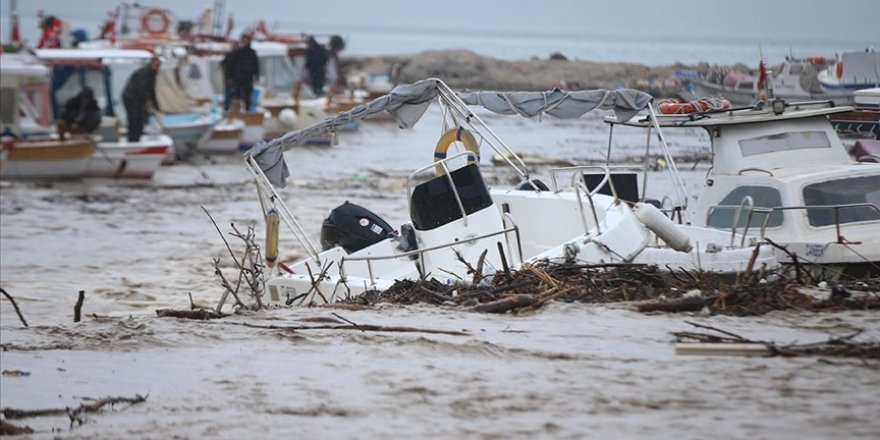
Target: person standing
x=314, y=74
x=245, y=69
x=139, y=97
x=228, y=83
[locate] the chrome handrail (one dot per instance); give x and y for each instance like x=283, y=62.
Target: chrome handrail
x=443, y=163
x=420, y=252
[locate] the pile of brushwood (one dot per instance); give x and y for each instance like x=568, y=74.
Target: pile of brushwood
x=646, y=288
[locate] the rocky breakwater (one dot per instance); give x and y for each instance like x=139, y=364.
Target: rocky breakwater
x=464, y=69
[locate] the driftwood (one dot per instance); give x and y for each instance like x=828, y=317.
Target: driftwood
x=10, y=429
x=74, y=413
x=647, y=288
x=15, y=306
x=723, y=342
x=250, y=267
x=77, y=308
x=198, y=314
x=508, y=303
x=359, y=327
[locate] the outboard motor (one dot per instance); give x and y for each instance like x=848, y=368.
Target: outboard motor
x=353, y=227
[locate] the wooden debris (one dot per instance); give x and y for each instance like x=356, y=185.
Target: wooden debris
x=77, y=308
x=15, y=306
x=508, y=303
x=74, y=413
x=198, y=314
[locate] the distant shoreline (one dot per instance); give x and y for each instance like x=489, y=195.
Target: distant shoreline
x=464, y=69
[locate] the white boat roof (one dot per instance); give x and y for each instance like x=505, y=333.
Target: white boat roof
x=269, y=48
x=736, y=117
x=93, y=54
x=22, y=65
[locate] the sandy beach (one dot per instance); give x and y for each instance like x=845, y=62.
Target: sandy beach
x=564, y=371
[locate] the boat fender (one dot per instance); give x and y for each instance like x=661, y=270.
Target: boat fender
x=840, y=69
x=661, y=225
x=456, y=135
x=673, y=107
x=273, y=220
x=155, y=22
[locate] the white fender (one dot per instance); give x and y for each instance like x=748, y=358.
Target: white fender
x=661, y=225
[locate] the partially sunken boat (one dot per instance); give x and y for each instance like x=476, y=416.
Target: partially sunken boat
x=780, y=171
x=458, y=223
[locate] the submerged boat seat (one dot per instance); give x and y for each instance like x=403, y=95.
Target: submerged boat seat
x=532, y=185
x=433, y=202
x=626, y=185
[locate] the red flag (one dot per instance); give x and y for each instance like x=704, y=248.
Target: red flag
x=16, y=37
x=762, y=75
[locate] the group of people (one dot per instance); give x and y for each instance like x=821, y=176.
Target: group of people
x=241, y=69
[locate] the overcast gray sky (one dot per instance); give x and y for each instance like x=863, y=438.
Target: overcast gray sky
x=853, y=19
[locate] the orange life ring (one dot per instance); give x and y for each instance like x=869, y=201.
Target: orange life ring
x=816, y=60
x=669, y=107
x=451, y=136
x=148, y=22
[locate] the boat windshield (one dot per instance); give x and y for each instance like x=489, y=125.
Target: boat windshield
x=853, y=190
x=791, y=140
x=763, y=197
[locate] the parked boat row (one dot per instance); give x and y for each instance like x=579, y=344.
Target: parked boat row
x=796, y=79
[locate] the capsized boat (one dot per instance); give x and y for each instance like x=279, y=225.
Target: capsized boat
x=781, y=171
x=458, y=223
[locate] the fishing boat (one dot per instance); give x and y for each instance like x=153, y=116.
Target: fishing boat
x=458, y=223
x=118, y=158
x=795, y=79
x=864, y=121
x=852, y=71
x=29, y=149
x=781, y=172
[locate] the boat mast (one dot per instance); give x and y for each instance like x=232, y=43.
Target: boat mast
x=219, y=9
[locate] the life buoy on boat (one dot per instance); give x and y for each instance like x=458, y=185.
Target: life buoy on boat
x=450, y=137
x=672, y=107
x=155, y=22
x=839, y=69
x=816, y=60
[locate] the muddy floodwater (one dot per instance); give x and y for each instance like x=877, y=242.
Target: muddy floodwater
x=564, y=371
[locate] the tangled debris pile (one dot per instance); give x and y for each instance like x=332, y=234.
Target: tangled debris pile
x=646, y=288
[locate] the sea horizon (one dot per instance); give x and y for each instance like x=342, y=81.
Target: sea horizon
x=644, y=41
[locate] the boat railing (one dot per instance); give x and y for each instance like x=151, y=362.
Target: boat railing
x=420, y=253
x=268, y=194
x=767, y=211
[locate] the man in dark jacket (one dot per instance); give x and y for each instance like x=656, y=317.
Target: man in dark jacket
x=139, y=97
x=80, y=115
x=245, y=68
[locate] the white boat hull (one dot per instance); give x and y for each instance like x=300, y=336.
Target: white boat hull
x=48, y=159
x=130, y=159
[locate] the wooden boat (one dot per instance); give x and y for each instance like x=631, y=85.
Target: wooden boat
x=48, y=158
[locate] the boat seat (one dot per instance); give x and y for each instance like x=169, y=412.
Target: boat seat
x=433, y=202
x=626, y=184
x=531, y=185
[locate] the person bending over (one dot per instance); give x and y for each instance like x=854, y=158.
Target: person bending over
x=81, y=114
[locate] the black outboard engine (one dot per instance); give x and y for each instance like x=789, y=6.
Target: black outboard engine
x=353, y=228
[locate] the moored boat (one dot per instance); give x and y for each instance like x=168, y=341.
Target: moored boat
x=48, y=159
x=456, y=219
x=121, y=158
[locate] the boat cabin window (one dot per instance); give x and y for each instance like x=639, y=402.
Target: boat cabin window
x=433, y=202
x=796, y=69
x=68, y=81
x=763, y=196
x=865, y=189
x=792, y=140
x=278, y=74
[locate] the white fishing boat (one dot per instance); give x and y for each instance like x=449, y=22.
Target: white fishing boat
x=852, y=71
x=225, y=137
x=457, y=223
x=122, y=159
x=30, y=149
x=782, y=172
